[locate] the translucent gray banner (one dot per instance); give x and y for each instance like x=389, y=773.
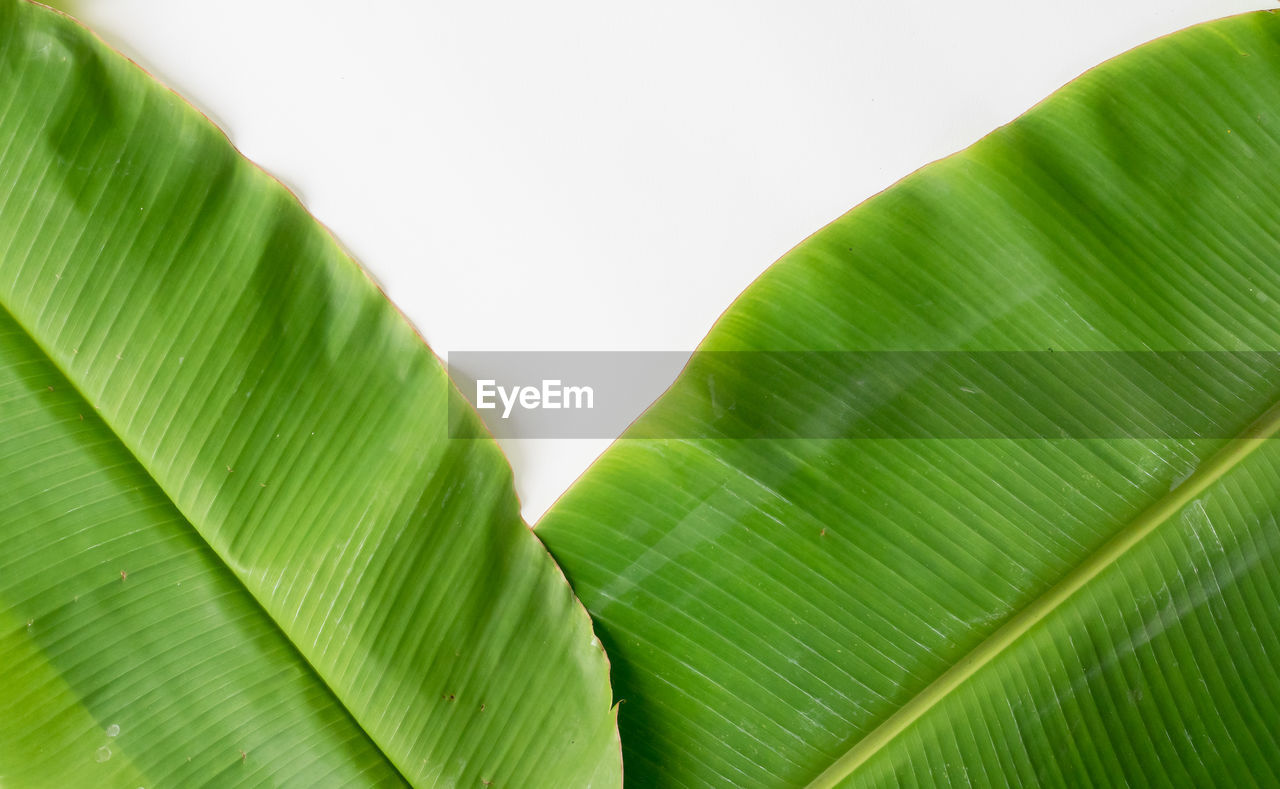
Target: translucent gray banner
x=868, y=394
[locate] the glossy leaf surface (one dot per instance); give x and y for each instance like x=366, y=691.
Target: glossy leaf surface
x=236, y=544
x=997, y=611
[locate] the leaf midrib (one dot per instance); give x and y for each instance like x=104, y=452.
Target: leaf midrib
x=230, y=570
x=1219, y=464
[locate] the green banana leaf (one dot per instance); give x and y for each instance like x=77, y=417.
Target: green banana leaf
x=237, y=546
x=967, y=610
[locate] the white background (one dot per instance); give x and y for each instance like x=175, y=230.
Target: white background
x=594, y=175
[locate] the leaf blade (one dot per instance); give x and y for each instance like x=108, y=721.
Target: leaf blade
x=292, y=416
x=82, y=656
x=784, y=598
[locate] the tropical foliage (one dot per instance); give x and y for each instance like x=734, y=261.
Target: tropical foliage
x=238, y=546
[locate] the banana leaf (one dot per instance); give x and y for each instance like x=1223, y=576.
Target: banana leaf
x=237, y=546
x=786, y=605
